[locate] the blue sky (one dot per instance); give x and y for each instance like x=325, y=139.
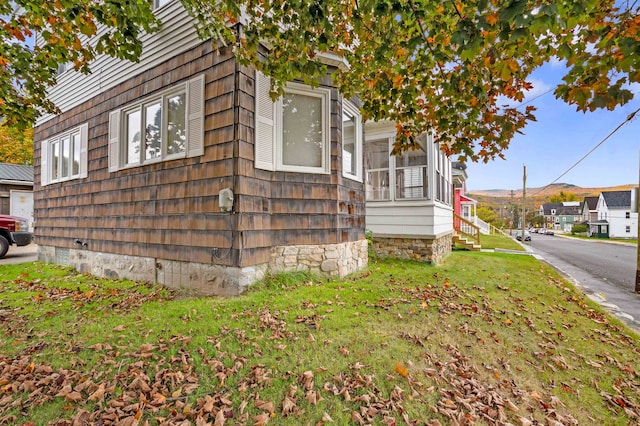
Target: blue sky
x=559, y=138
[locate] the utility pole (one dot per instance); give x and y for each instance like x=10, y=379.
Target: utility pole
x=524, y=189
x=638, y=220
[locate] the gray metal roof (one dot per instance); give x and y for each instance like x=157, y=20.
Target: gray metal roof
x=547, y=207
x=617, y=199
x=16, y=172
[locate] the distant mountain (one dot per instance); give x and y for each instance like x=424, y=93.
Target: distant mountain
x=547, y=191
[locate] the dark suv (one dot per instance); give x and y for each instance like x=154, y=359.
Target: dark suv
x=13, y=230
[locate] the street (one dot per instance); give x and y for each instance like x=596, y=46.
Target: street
x=20, y=254
x=605, y=271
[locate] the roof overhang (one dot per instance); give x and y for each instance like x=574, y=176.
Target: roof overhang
x=15, y=182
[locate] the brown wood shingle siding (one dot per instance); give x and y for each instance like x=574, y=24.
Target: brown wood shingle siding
x=169, y=210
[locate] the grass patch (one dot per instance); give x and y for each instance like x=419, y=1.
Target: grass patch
x=497, y=241
x=484, y=338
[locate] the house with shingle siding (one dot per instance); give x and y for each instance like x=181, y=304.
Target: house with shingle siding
x=180, y=169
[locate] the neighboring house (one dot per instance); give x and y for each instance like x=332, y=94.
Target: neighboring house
x=589, y=209
x=16, y=191
x=561, y=216
x=463, y=205
x=181, y=170
x=568, y=215
x=550, y=211
x=617, y=215
x=409, y=197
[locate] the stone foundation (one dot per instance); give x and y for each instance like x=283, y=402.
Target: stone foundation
x=432, y=250
x=207, y=279
x=332, y=259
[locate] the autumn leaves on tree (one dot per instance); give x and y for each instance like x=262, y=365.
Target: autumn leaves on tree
x=446, y=67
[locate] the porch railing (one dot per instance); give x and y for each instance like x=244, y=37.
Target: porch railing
x=465, y=228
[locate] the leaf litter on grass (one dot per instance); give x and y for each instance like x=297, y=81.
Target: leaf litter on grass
x=431, y=346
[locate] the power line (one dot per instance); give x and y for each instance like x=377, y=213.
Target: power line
x=627, y=120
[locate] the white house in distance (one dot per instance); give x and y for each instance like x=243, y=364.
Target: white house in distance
x=617, y=215
x=409, y=199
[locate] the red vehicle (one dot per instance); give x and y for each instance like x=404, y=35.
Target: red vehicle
x=13, y=230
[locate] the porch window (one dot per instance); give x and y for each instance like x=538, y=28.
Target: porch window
x=161, y=127
x=292, y=133
x=443, y=178
x=411, y=172
x=377, y=165
x=64, y=157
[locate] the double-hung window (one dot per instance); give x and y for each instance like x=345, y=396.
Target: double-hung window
x=159, y=128
x=351, y=141
x=64, y=156
x=292, y=133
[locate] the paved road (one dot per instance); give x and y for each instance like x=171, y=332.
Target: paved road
x=20, y=254
x=605, y=271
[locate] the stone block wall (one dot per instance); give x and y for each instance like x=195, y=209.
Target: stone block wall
x=330, y=259
x=432, y=250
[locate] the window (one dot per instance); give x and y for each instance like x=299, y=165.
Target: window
x=377, y=165
x=628, y=229
x=443, y=178
x=62, y=68
x=407, y=176
x=167, y=126
x=157, y=4
x=292, y=134
x=627, y=215
x=64, y=157
x=411, y=172
x=351, y=141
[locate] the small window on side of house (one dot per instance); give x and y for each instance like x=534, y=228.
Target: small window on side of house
x=351, y=141
x=627, y=215
x=64, y=156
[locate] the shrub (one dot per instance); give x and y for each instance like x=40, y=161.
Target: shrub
x=579, y=229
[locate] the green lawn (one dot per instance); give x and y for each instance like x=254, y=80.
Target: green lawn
x=498, y=241
x=485, y=338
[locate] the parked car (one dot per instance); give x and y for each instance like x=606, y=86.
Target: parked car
x=13, y=230
x=527, y=236
x=548, y=232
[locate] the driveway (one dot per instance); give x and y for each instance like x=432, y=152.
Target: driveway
x=20, y=254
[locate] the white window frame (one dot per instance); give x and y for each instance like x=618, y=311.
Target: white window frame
x=357, y=143
x=269, y=127
x=47, y=154
x=194, y=126
x=157, y=4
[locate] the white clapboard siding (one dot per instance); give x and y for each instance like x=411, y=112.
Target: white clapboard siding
x=177, y=35
x=415, y=218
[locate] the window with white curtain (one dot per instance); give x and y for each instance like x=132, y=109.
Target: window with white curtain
x=292, y=133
